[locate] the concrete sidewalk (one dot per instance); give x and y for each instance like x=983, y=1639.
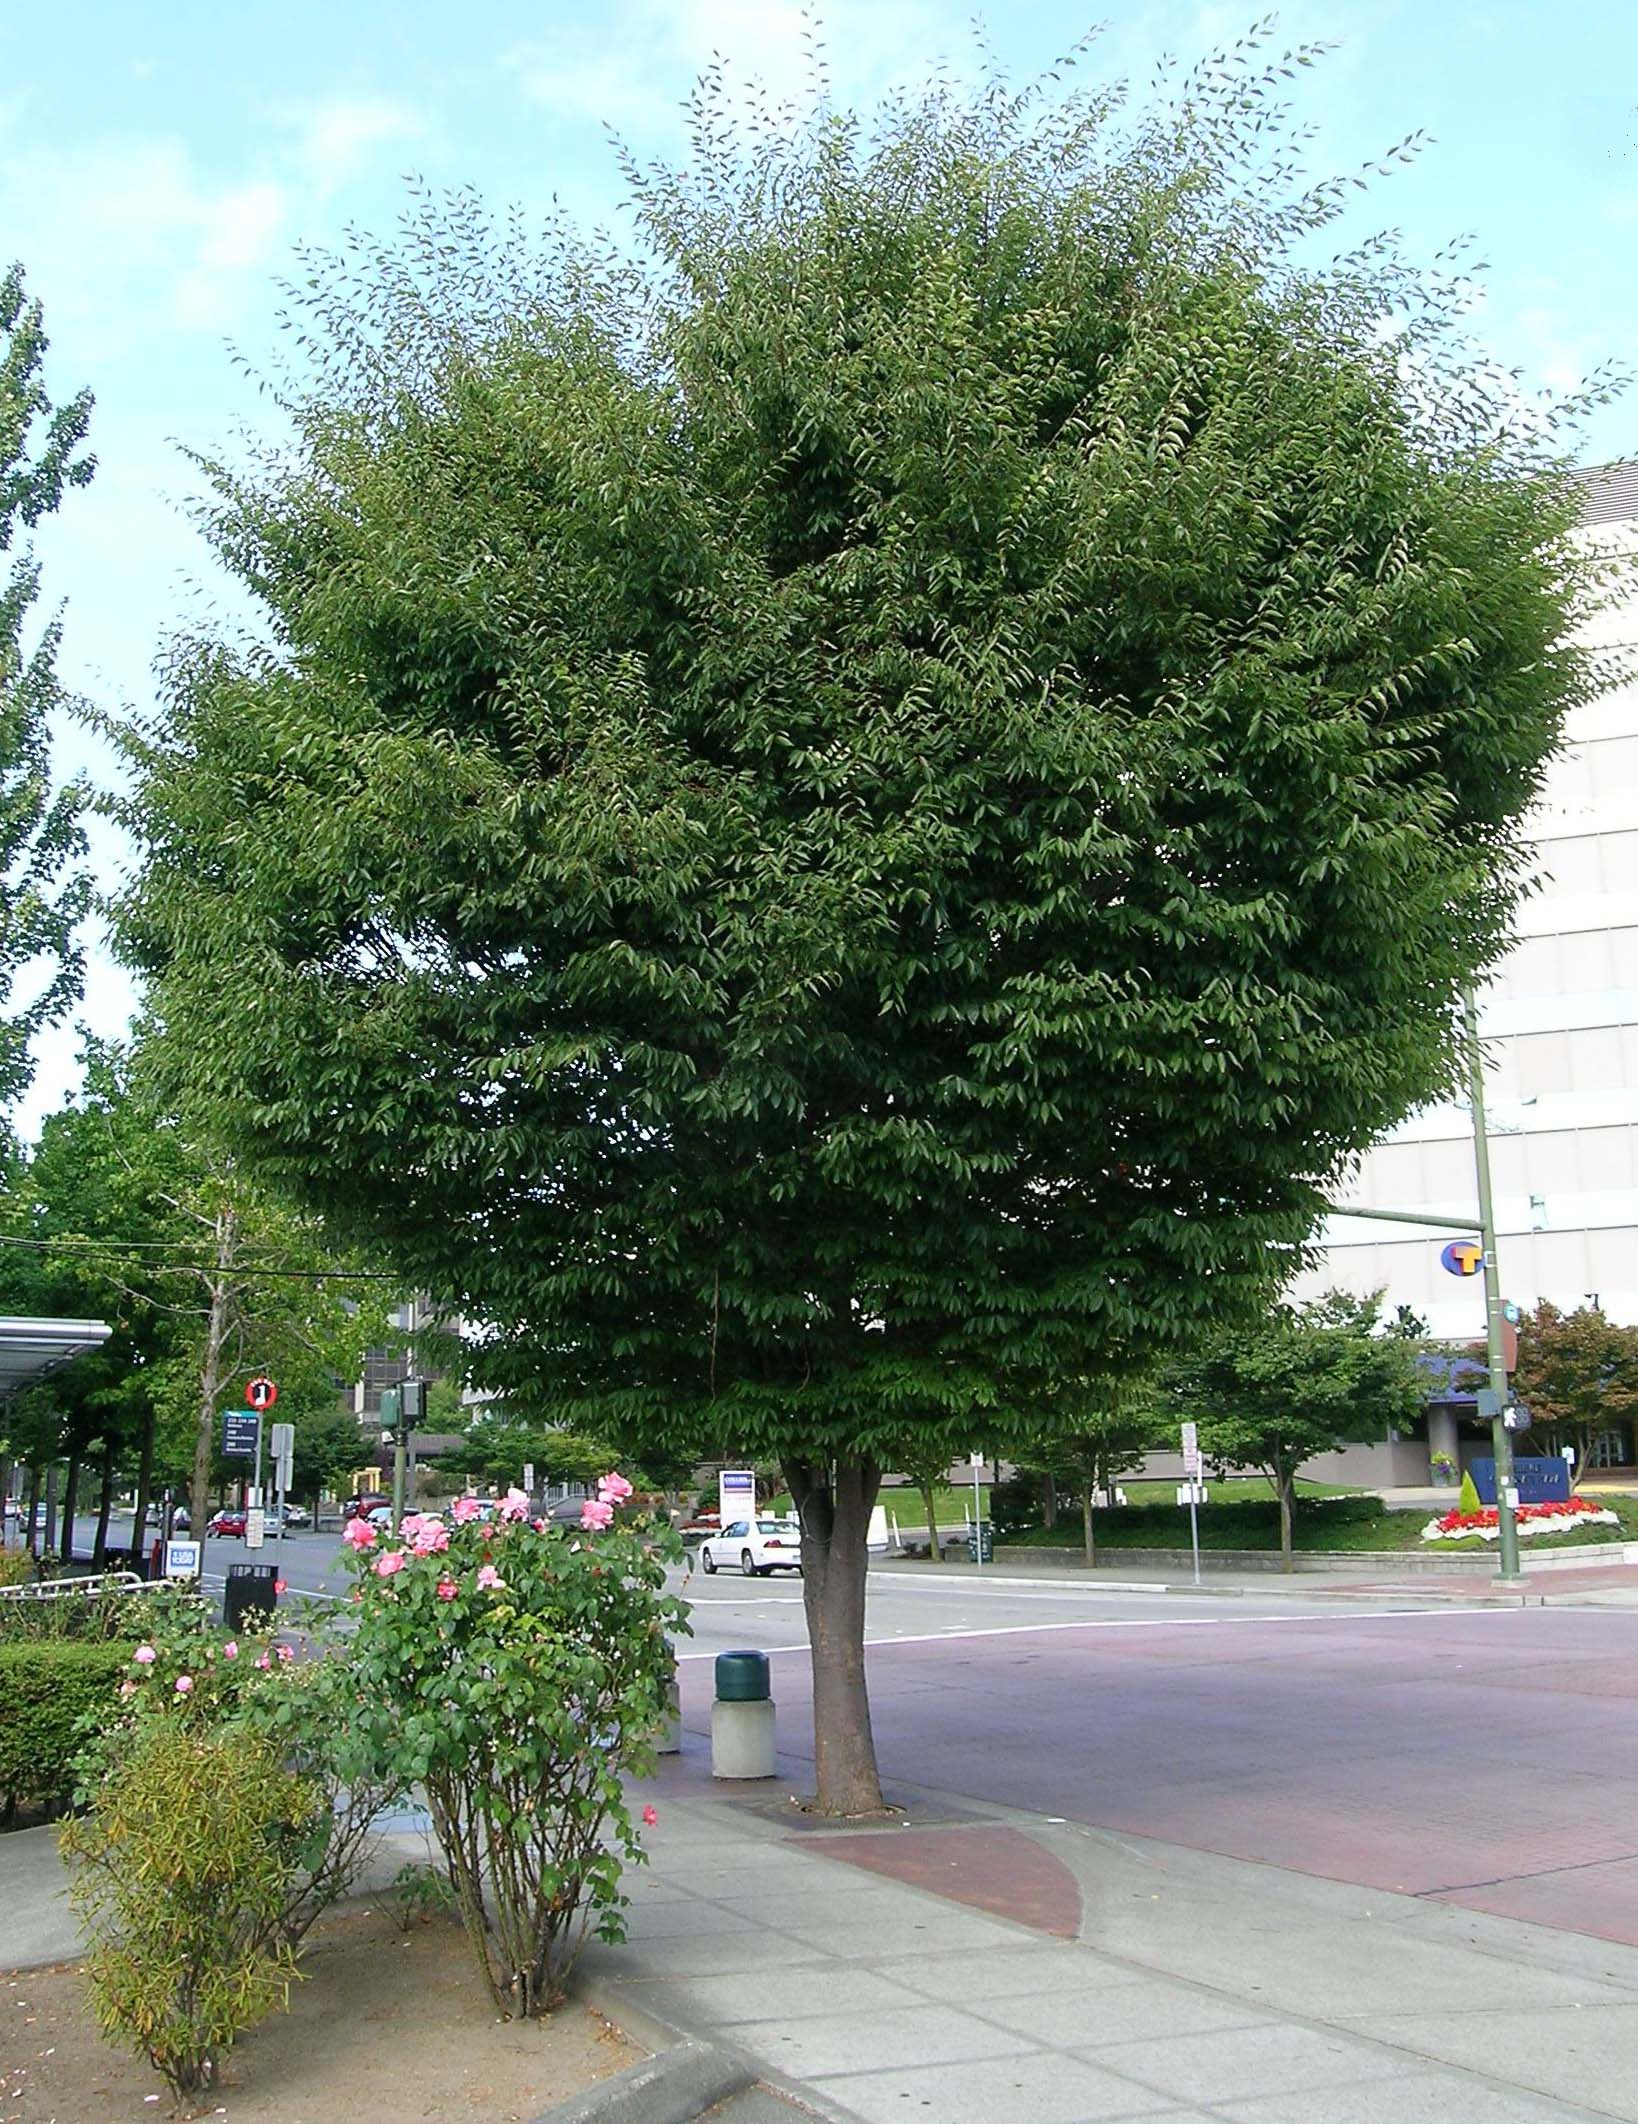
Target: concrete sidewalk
x=993, y=1968
x=990, y=1967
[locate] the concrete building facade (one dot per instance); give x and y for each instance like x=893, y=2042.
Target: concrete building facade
x=1559, y=1023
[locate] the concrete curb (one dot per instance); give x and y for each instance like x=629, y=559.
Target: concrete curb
x=640, y=2095
x=1083, y=1581
x=674, y=2087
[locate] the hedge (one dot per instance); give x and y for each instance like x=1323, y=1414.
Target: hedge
x=45, y=1689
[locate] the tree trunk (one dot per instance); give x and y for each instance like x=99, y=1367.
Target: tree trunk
x=145, y=1483
x=1285, y=1482
x=99, y=1548
x=51, y=1508
x=835, y=1507
x=1049, y=1502
x=1086, y=1523
x=935, y=1547
x=71, y=1499
x=210, y=1376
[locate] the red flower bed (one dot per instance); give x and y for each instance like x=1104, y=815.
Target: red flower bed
x=1476, y=1522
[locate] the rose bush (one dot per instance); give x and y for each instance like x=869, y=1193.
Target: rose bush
x=517, y=1672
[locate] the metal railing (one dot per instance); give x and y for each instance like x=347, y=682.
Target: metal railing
x=89, y=1588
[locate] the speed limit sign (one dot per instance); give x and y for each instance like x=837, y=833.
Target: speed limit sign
x=261, y=1394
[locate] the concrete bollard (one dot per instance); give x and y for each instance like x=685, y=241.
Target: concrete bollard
x=670, y=1740
x=742, y=1718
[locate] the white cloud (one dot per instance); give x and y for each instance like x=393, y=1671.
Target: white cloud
x=633, y=69
x=337, y=137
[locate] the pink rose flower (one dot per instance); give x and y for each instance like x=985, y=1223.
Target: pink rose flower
x=387, y=1564
x=515, y=1504
x=447, y=1589
x=427, y=1536
x=184, y=1685
x=595, y=1514
x=144, y=1655
x=490, y=1579
x=649, y=1817
x=613, y=1489
x=279, y=1586
x=264, y=1662
x=286, y=1654
x=464, y=1510
x=231, y=1649
x=359, y=1534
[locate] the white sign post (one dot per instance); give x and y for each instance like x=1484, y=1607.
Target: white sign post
x=1192, y=1471
x=977, y=1462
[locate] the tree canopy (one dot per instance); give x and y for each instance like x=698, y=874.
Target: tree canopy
x=875, y=789
x=42, y=894
x=1578, y=1374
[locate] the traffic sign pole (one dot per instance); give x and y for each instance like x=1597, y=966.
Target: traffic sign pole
x=1501, y=1442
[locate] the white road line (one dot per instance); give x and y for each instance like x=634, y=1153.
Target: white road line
x=1147, y=1622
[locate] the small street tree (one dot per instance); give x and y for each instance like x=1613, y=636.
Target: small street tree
x=872, y=793
x=1273, y=1393
x=43, y=895
x=1094, y=1432
x=1578, y=1374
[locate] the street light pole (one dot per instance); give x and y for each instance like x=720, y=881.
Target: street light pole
x=1509, y=1573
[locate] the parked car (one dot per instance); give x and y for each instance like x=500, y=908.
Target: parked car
x=231, y=1520
x=297, y=1516
x=756, y=1546
x=367, y=1503
x=380, y=1517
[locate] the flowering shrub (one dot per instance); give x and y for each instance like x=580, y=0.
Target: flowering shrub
x=517, y=1672
x=1557, y=1516
x=184, y=1673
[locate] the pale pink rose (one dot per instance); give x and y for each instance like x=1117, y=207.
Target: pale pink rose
x=388, y=1563
x=231, y=1649
x=595, y=1514
x=264, y=1662
x=184, y=1685
x=613, y=1489
x=515, y=1504
x=649, y=1817
x=144, y=1655
x=430, y=1538
x=127, y=1687
x=286, y=1654
x=447, y=1589
x=358, y=1533
x=490, y=1579
x=464, y=1510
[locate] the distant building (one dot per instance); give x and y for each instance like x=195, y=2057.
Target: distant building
x=1560, y=1026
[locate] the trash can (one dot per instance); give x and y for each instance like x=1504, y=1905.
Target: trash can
x=981, y=1542
x=742, y=1678
x=249, y=1589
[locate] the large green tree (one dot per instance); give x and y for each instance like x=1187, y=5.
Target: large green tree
x=1272, y=1393
x=43, y=894
x=874, y=790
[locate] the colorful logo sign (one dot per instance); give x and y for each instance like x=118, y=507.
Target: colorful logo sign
x=1463, y=1257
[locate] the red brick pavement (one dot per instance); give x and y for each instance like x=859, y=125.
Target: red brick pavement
x=992, y=1869
x=1386, y=1751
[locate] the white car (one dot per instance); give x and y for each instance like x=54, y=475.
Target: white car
x=754, y=1547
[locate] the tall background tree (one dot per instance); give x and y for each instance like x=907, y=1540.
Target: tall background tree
x=43, y=894
x=872, y=794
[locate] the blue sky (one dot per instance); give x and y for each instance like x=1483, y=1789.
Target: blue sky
x=158, y=165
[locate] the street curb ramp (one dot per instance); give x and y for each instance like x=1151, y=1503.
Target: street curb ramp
x=686, y=2079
